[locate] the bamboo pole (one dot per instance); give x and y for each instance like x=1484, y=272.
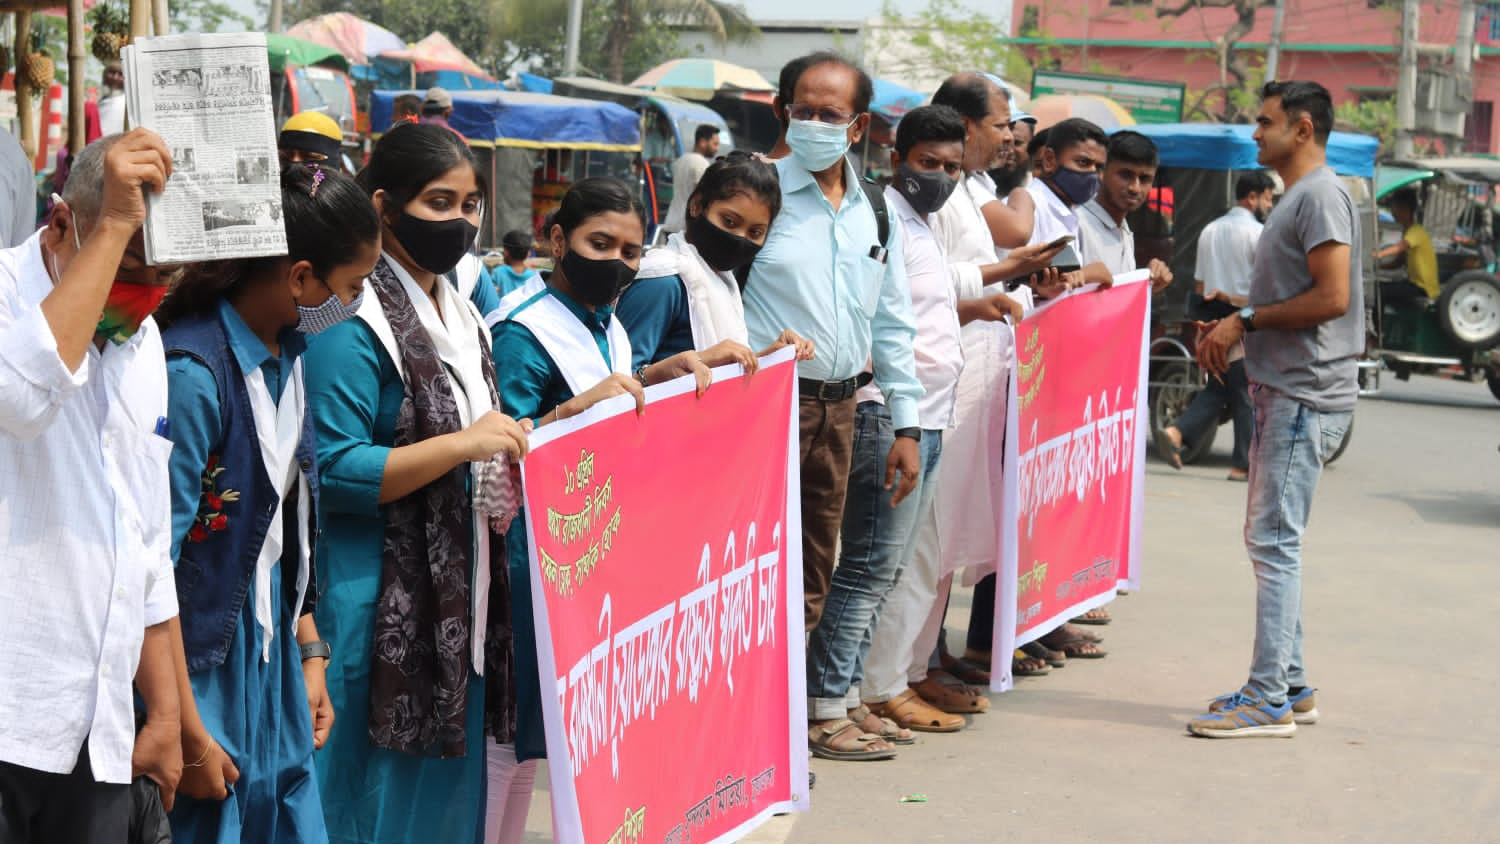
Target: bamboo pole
x=23, y=90
x=140, y=19
x=76, y=59
x=159, y=17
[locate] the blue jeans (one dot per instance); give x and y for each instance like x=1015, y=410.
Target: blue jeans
x=874, y=542
x=1290, y=444
x=1202, y=413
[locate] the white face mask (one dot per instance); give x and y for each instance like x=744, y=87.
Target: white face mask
x=77, y=241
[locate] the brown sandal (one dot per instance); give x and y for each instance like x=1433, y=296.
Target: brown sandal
x=843, y=740
x=1076, y=646
x=883, y=727
x=955, y=698
x=1023, y=664
x=1097, y=615
x=909, y=710
x=969, y=668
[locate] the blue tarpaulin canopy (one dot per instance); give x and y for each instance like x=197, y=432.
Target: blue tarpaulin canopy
x=1227, y=146
x=534, y=121
x=893, y=101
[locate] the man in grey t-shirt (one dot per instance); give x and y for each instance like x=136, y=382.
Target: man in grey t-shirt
x=1302, y=331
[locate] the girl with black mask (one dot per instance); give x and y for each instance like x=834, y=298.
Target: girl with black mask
x=686, y=295
x=560, y=351
x=414, y=462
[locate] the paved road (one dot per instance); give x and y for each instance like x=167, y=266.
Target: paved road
x=1402, y=591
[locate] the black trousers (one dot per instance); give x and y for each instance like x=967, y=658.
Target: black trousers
x=41, y=808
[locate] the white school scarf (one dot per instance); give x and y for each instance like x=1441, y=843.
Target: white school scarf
x=278, y=427
x=571, y=345
x=715, y=307
x=457, y=345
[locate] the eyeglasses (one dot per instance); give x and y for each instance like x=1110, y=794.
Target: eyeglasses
x=834, y=116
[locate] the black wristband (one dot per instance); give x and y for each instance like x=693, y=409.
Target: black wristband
x=313, y=650
x=910, y=433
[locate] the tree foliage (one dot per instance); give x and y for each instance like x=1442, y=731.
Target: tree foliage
x=950, y=37
x=1234, y=97
x=620, y=39
x=209, y=16
x=1375, y=117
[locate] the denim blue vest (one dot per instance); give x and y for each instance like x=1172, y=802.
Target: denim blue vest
x=215, y=569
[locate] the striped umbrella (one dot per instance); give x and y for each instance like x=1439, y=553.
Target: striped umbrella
x=356, y=38
x=700, y=79
x=1055, y=108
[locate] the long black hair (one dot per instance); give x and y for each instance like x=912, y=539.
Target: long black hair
x=328, y=220
x=591, y=197
x=409, y=157
x=738, y=173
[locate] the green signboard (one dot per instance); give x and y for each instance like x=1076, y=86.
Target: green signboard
x=1147, y=102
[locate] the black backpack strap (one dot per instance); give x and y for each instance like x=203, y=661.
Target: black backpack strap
x=876, y=196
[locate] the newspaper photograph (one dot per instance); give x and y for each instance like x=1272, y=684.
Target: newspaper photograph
x=209, y=97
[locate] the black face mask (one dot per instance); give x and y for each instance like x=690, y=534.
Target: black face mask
x=435, y=245
x=722, y=250
x=596, y=282
x=925, y=190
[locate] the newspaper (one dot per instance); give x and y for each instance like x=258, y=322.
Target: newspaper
x=209, y=98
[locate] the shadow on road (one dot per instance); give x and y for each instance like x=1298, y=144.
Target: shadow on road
x=1470, y=509
x=1480, y=399
x=1085, y=706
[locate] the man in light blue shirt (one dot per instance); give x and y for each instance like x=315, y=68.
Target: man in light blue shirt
x=825, y=274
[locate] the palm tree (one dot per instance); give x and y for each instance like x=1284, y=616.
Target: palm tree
x=629, y=17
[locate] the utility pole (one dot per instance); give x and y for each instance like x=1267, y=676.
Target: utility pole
x=575, y=27
x=1463, y=56
x=1273, y=52
x=1406, y=82
x=274, y=23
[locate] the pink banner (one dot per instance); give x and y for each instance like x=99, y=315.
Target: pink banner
x=1074, y=461
x=667, y=583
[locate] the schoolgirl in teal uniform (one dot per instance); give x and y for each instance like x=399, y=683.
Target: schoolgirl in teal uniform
x=244, y=486
x=559, y=352
x=415, y=602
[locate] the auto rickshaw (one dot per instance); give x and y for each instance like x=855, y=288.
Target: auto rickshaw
x=1456, y=335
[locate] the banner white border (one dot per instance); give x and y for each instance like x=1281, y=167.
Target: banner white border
x=567, y=818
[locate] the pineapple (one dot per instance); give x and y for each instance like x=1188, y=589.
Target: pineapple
x=37, y=70
x=106, y=45
x=110, y=29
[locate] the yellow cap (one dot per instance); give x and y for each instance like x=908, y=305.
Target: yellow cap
x=313, y=121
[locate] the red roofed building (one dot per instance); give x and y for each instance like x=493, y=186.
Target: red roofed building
x=1350, y=46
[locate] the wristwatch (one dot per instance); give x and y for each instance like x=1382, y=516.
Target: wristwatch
x=313, y=650
x=1247, y=318
x=910, y=433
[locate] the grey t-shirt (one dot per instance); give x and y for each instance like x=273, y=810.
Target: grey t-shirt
x=1315, y=366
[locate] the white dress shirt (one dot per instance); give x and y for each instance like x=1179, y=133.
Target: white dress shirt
x=686, y=171
x=934, y=304
x=85, y=531
x=1054, y=218
x=1103, y=241
x=1226, y=249
x=964, y=236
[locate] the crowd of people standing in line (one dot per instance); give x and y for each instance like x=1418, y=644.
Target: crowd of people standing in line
x=260, y=545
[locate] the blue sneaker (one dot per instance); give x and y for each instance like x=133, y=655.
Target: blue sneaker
x=1242, y=716
x=1304, y=705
